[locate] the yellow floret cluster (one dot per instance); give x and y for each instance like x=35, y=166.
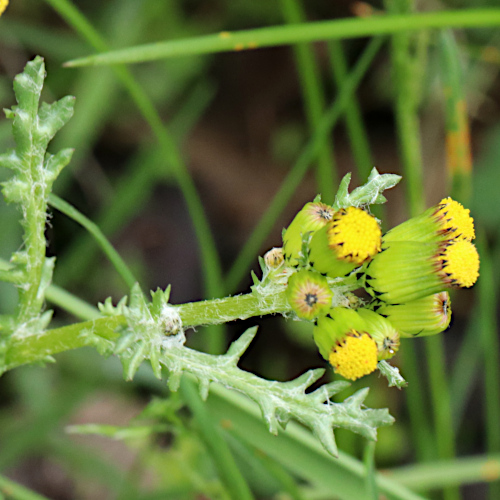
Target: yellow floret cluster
x=355, y=356
x=453, y=216
x=461, y=263
x=354, y=235
x=3, y=6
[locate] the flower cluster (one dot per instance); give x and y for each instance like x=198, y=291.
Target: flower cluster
x=407, y=272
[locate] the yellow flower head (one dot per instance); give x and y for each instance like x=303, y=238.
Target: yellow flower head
x=460, y=264
x=455, y=219
x=354, y=356
x=448, y=220
x=3, y=6
x=354, y=235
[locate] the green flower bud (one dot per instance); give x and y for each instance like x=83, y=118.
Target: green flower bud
x=444, y=221
x=350, y=239
x=342, y=339
x=309, y=294
x=426, y=316
x=405, y=271
x=383, y=332
x=312, y=217
x=274, y=258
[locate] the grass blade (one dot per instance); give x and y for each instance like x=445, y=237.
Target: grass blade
x=314, y=100
x=285, y=35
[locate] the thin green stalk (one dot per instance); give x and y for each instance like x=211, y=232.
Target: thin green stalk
x=314, y=100
x=219, y=311
x=113, y=256
x=15, y=491
x=307, y=32
x=441, y=402
x=456, y=472
x=70, y=303
x=371, y=479
x=211, y=265
x=488, y=330
x=297, y=172
x=465, y=370
x=420, y=429
x=356, y=130
x=211, y=436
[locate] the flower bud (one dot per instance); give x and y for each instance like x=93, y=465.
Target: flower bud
x=383, y=332
x=444, y=221
x=309, y=294
x=312, y=217
x=342, y=339
x=274, y=258
x=350, y=239
x=405, y=271
x=426, y=316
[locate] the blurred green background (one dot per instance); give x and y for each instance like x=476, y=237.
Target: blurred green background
x=238, y=128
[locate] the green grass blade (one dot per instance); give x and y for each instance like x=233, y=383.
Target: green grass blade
x=356, y=130
x=371, y=479
x=15, y=491
x=113, y=256
x=285, y=35
x=488, y=329
x=465, y=370
x=297, y=172
x=314, y=100
x=213, y=439
x=456, y=472
x=407, y=78
x=458, y=151
x=70, y=303
x=441, y=400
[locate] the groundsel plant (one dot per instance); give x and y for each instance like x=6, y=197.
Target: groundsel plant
x=328, y=252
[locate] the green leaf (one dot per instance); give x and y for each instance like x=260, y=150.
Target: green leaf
x=368, y=194
x=391, y=373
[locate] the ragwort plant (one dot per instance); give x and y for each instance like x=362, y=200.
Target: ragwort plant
x=329, y=251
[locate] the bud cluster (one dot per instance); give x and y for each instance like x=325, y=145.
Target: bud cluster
x=407, y=272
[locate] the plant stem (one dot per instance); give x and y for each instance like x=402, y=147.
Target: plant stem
x=34, y=348
x=219, y=311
